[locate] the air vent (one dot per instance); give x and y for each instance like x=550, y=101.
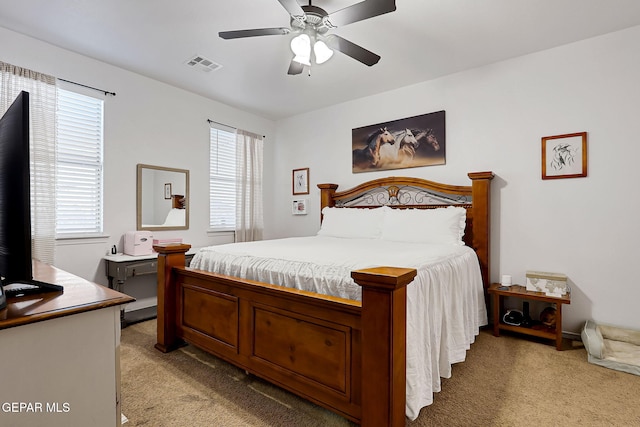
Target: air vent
x=201, y=63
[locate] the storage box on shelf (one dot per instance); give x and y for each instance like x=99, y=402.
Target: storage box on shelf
x=552, y=284
x=138, y=243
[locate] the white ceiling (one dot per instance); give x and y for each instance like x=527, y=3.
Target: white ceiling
x=421, y=40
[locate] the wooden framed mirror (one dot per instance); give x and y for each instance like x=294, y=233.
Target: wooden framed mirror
x=162, y=198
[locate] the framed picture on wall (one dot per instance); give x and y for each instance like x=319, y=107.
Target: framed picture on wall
x=398, y=144
x=564, y=156
x=299, y=207
x=167, y=191
x=300, y=181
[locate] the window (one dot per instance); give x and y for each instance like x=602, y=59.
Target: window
x=79, y=165
x=222, y=179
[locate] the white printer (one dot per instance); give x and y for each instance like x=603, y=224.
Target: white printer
x=138, y=243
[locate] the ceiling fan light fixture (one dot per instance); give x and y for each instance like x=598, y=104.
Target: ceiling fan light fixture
x=313, y=23
x=322, y=52
x=301, y=47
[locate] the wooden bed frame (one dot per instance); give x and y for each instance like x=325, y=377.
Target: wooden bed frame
x=313, y=345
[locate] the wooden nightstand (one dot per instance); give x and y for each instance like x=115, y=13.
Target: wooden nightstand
x=517, y=291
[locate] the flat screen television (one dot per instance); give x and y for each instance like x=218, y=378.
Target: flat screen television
x=15, y=205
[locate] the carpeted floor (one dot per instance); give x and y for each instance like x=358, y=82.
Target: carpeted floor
x=505, y=381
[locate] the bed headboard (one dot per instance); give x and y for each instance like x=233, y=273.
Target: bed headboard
x=417, y=193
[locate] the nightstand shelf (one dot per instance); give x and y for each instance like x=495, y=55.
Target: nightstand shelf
x=516, y=291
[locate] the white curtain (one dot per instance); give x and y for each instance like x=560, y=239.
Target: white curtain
x=42, y=101
x=249, y=209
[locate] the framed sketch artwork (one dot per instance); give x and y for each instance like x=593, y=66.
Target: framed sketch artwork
x=300, y=181
x=167, y=191
x=405, y=143
x=564, y=156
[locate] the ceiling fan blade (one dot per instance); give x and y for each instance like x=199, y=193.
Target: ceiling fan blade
x=361, y=11
x=351, y=49
x=295, y=68
x=253, y=33
x=292, y=7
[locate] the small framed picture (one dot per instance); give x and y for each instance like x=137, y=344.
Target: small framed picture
x=167, y=191
x=564, y=156
x=299, y=207
x=300, y=181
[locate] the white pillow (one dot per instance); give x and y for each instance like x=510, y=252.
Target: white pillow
x=352, y=223
x=440, y=225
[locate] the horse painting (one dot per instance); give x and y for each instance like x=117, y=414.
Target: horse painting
x=369, y=156
x=402, y=151
x=417, y=141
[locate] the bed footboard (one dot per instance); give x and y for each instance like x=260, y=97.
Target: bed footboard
x=343, y=355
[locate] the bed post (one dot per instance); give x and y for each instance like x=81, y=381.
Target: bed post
x=481, y=195
x=384, y=308
x=169, y=256
x=327, y=192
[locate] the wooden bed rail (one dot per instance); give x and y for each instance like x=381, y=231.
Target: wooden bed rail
x=375, y=376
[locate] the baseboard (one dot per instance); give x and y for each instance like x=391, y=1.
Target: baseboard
x=572, y=336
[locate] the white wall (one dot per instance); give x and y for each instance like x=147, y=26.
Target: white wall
x=146, y=122
x=495, y=119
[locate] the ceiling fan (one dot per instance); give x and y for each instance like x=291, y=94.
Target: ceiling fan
x=312, y=24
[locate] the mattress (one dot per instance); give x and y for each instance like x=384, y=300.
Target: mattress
x=445, y=302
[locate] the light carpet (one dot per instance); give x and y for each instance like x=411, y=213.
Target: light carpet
x=505, y=381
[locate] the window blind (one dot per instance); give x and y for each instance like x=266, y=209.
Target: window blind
x=222, y=179
x=79, y=165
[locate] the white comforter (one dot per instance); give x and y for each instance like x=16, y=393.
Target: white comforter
x=445, y=303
